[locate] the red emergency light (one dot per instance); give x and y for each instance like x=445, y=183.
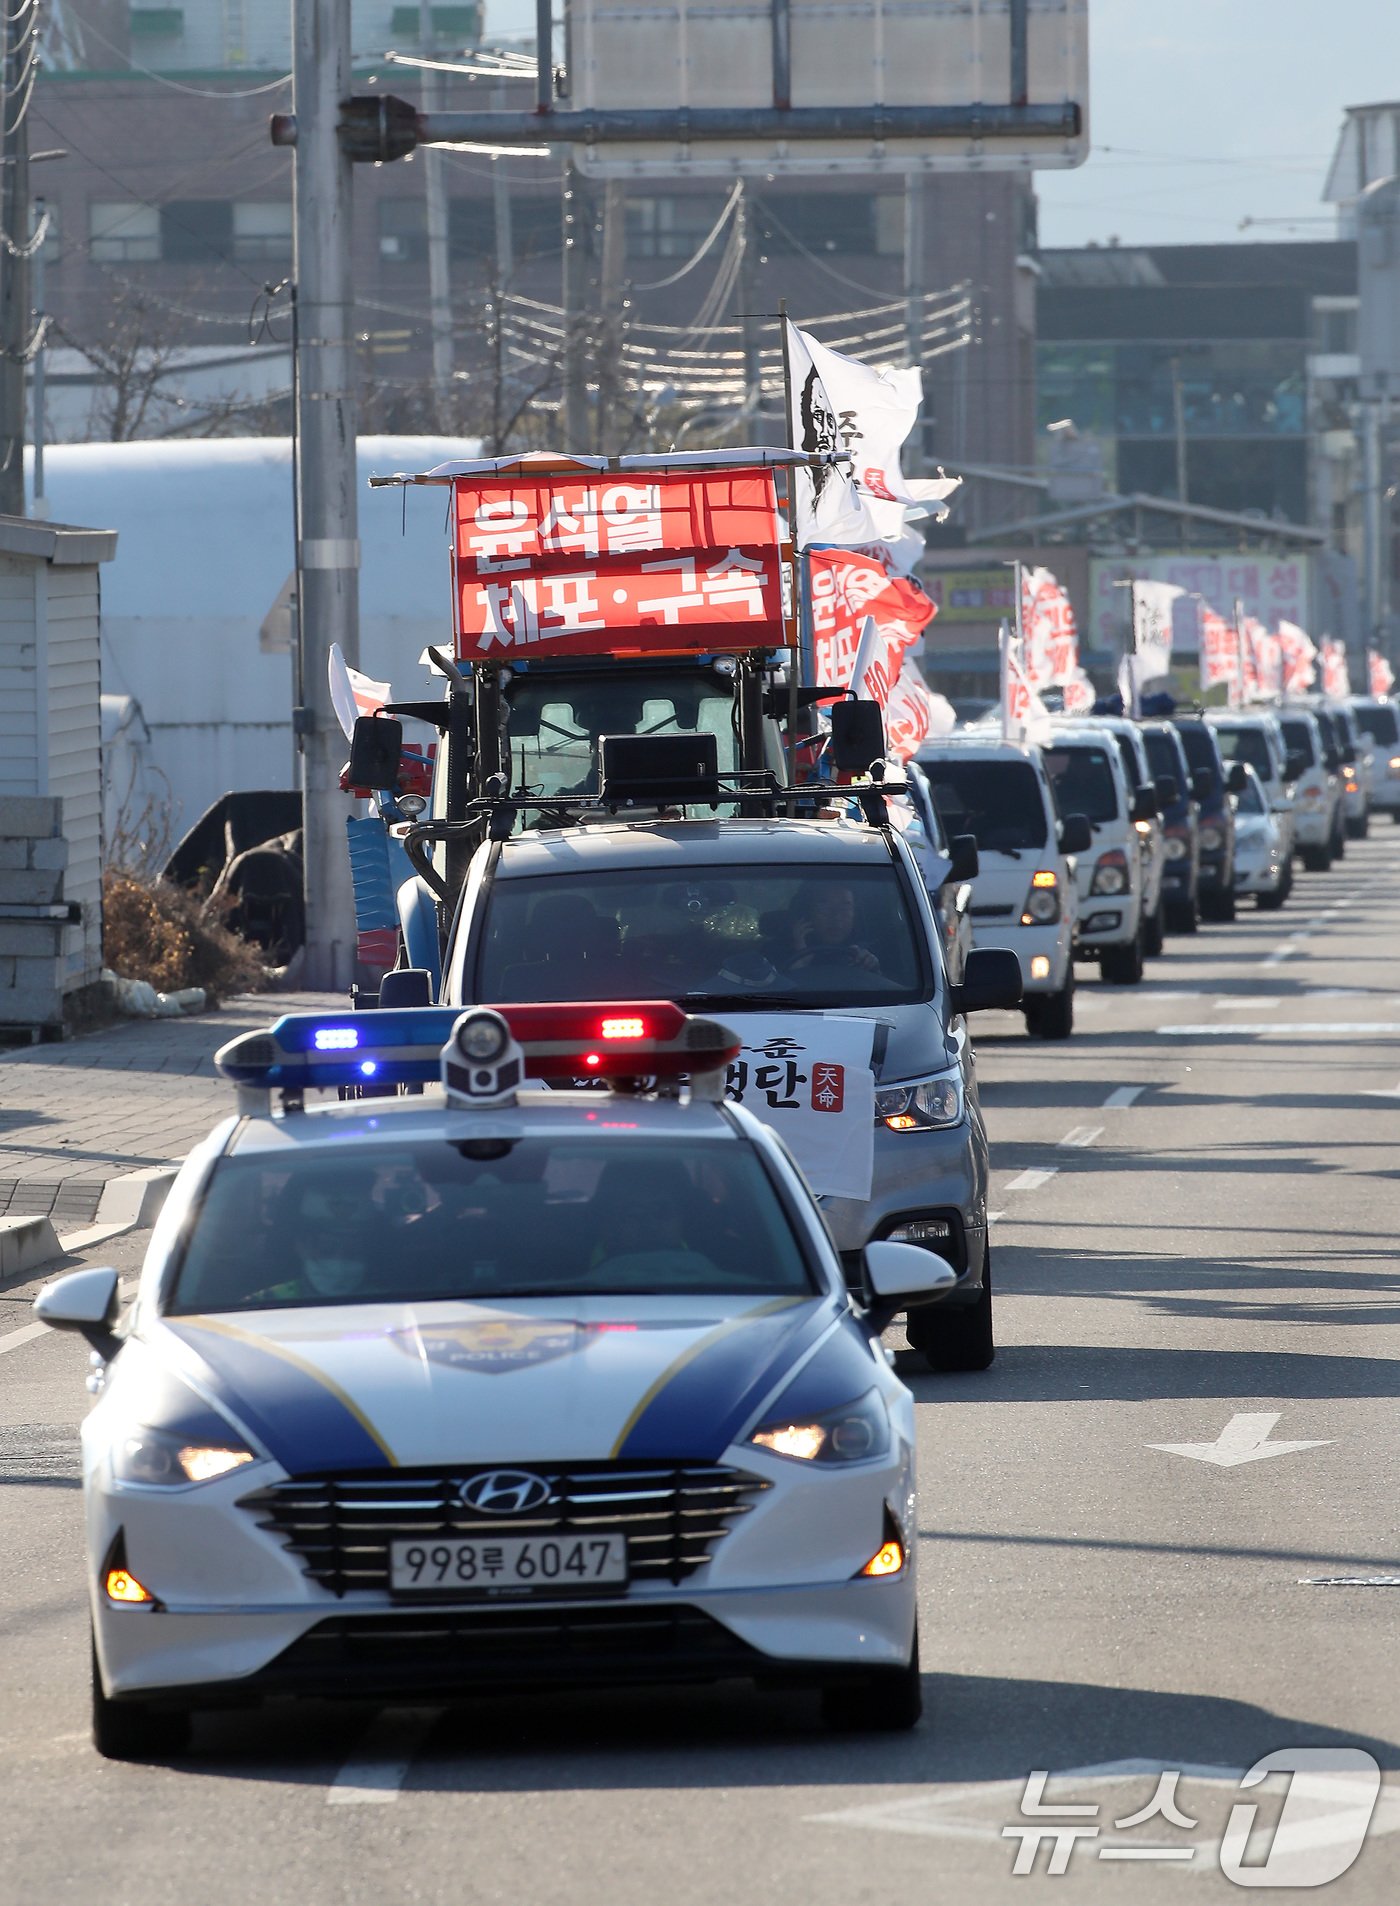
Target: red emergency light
x=608, y=1039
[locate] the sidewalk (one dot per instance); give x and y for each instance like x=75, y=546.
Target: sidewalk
x=143, y=1093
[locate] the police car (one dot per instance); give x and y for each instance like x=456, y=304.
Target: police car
x=493, y=1386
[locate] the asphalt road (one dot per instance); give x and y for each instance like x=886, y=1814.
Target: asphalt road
x=1199, y=1199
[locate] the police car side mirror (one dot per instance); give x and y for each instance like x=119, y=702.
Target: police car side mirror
x=376, y=746
x=963, y=848
x=1168, y=791
x=901, y=1277
x=1237, y=780
x=1076, y=835
x=991, y=979
x=85, y=1301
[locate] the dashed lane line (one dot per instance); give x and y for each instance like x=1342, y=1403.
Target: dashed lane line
x=1080, y=1137
x=1347, y=1028
x=1249, y=1002
x=1033, y=1178
x=375, y=1773
x=1123, y=1095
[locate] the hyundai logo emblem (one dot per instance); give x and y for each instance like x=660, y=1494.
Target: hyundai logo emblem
x=505, y=1492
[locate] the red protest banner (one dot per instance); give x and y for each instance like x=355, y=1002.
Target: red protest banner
x=675, y=562
x=846, y=588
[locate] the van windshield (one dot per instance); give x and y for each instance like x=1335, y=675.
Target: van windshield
x=1164, y=758
x=1083, y=782
x=1380, y=724
x=813, y=936
x=998, y=801
x=556, y=719
x=1247, y=744
x=1299, y=736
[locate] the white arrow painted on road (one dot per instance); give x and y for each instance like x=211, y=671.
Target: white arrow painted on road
x=1244, y=1439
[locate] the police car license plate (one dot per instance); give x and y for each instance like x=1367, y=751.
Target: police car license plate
x=519, y=1563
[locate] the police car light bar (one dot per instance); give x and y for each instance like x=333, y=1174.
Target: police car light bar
x=600, y=1039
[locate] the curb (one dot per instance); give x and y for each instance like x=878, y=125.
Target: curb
x=136, y=1198
x=26, y=1243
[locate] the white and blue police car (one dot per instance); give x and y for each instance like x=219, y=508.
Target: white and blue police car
x=491, y=1386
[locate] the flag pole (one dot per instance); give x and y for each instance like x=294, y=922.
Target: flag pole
x=1238, y=698
x=1003, y=647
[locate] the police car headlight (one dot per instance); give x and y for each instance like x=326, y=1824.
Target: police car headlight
x=1212, y=839
x=921, y=1107
x=1177, y=848
x=482, y=1037
x=855, y=1434
x=156, y=1457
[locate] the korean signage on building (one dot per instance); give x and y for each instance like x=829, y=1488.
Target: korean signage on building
x=1269, y=588
x=641, y=564
x=973, y=595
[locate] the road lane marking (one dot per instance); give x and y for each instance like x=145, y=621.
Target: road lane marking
x=1080, y=1137
x=375, y=1772
x=995, y=1217
x=1392, y=1092
x=1124, y=1095
x=1249, y=1003
x=1284, y=952
x=1033, y=1179
x=1348, y=1027
x=1244, y=1439
x=26, y=1334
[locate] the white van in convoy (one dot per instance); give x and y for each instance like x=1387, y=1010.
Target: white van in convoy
x=1320, y=829
x=1379, y=720
x=1087, y=775
x=1256, y=740
x=1024, y=895
x=1147, y=820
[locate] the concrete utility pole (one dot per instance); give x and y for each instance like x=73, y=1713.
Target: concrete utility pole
x=612, y=416
x=40, y=395
x=439, y=294
x=748, y=317
x=328, y=557
x=578, y=424
x=18, y=28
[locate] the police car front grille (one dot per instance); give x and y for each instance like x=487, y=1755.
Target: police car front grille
x=672, y=1516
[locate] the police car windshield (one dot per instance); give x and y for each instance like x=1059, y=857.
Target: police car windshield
x=813, y=936
x=1247, y=744
x=998, y=801
x=1083, y=782
x=616, y=1214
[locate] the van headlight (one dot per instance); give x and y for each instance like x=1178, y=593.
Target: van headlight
x=921, y=1106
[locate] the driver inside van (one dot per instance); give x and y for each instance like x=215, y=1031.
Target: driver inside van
x=823, y=930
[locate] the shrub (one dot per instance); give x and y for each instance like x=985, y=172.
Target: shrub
x=156, y=931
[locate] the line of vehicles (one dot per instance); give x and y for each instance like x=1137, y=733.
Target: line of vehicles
x=1109, y=833
x=548, y=1350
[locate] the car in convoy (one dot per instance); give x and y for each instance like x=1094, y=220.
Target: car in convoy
x=1255, y=739
x=1262, y=862
x=1146, y=808
x=1024, y=899
x=815, y=940
x=1181, y=820
x=1319, y=822
x=1087, y=775
x=1378, y=718
x=492, y=1388
x=1216, y=832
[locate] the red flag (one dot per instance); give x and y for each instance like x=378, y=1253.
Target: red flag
x=846, y=588
x=1379, y=673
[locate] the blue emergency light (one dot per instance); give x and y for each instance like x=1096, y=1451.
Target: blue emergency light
x=304, y=1051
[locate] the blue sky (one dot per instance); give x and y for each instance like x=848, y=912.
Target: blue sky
x=1203, y=113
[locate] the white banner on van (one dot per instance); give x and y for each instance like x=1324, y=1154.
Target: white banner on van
x=809, y=1076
